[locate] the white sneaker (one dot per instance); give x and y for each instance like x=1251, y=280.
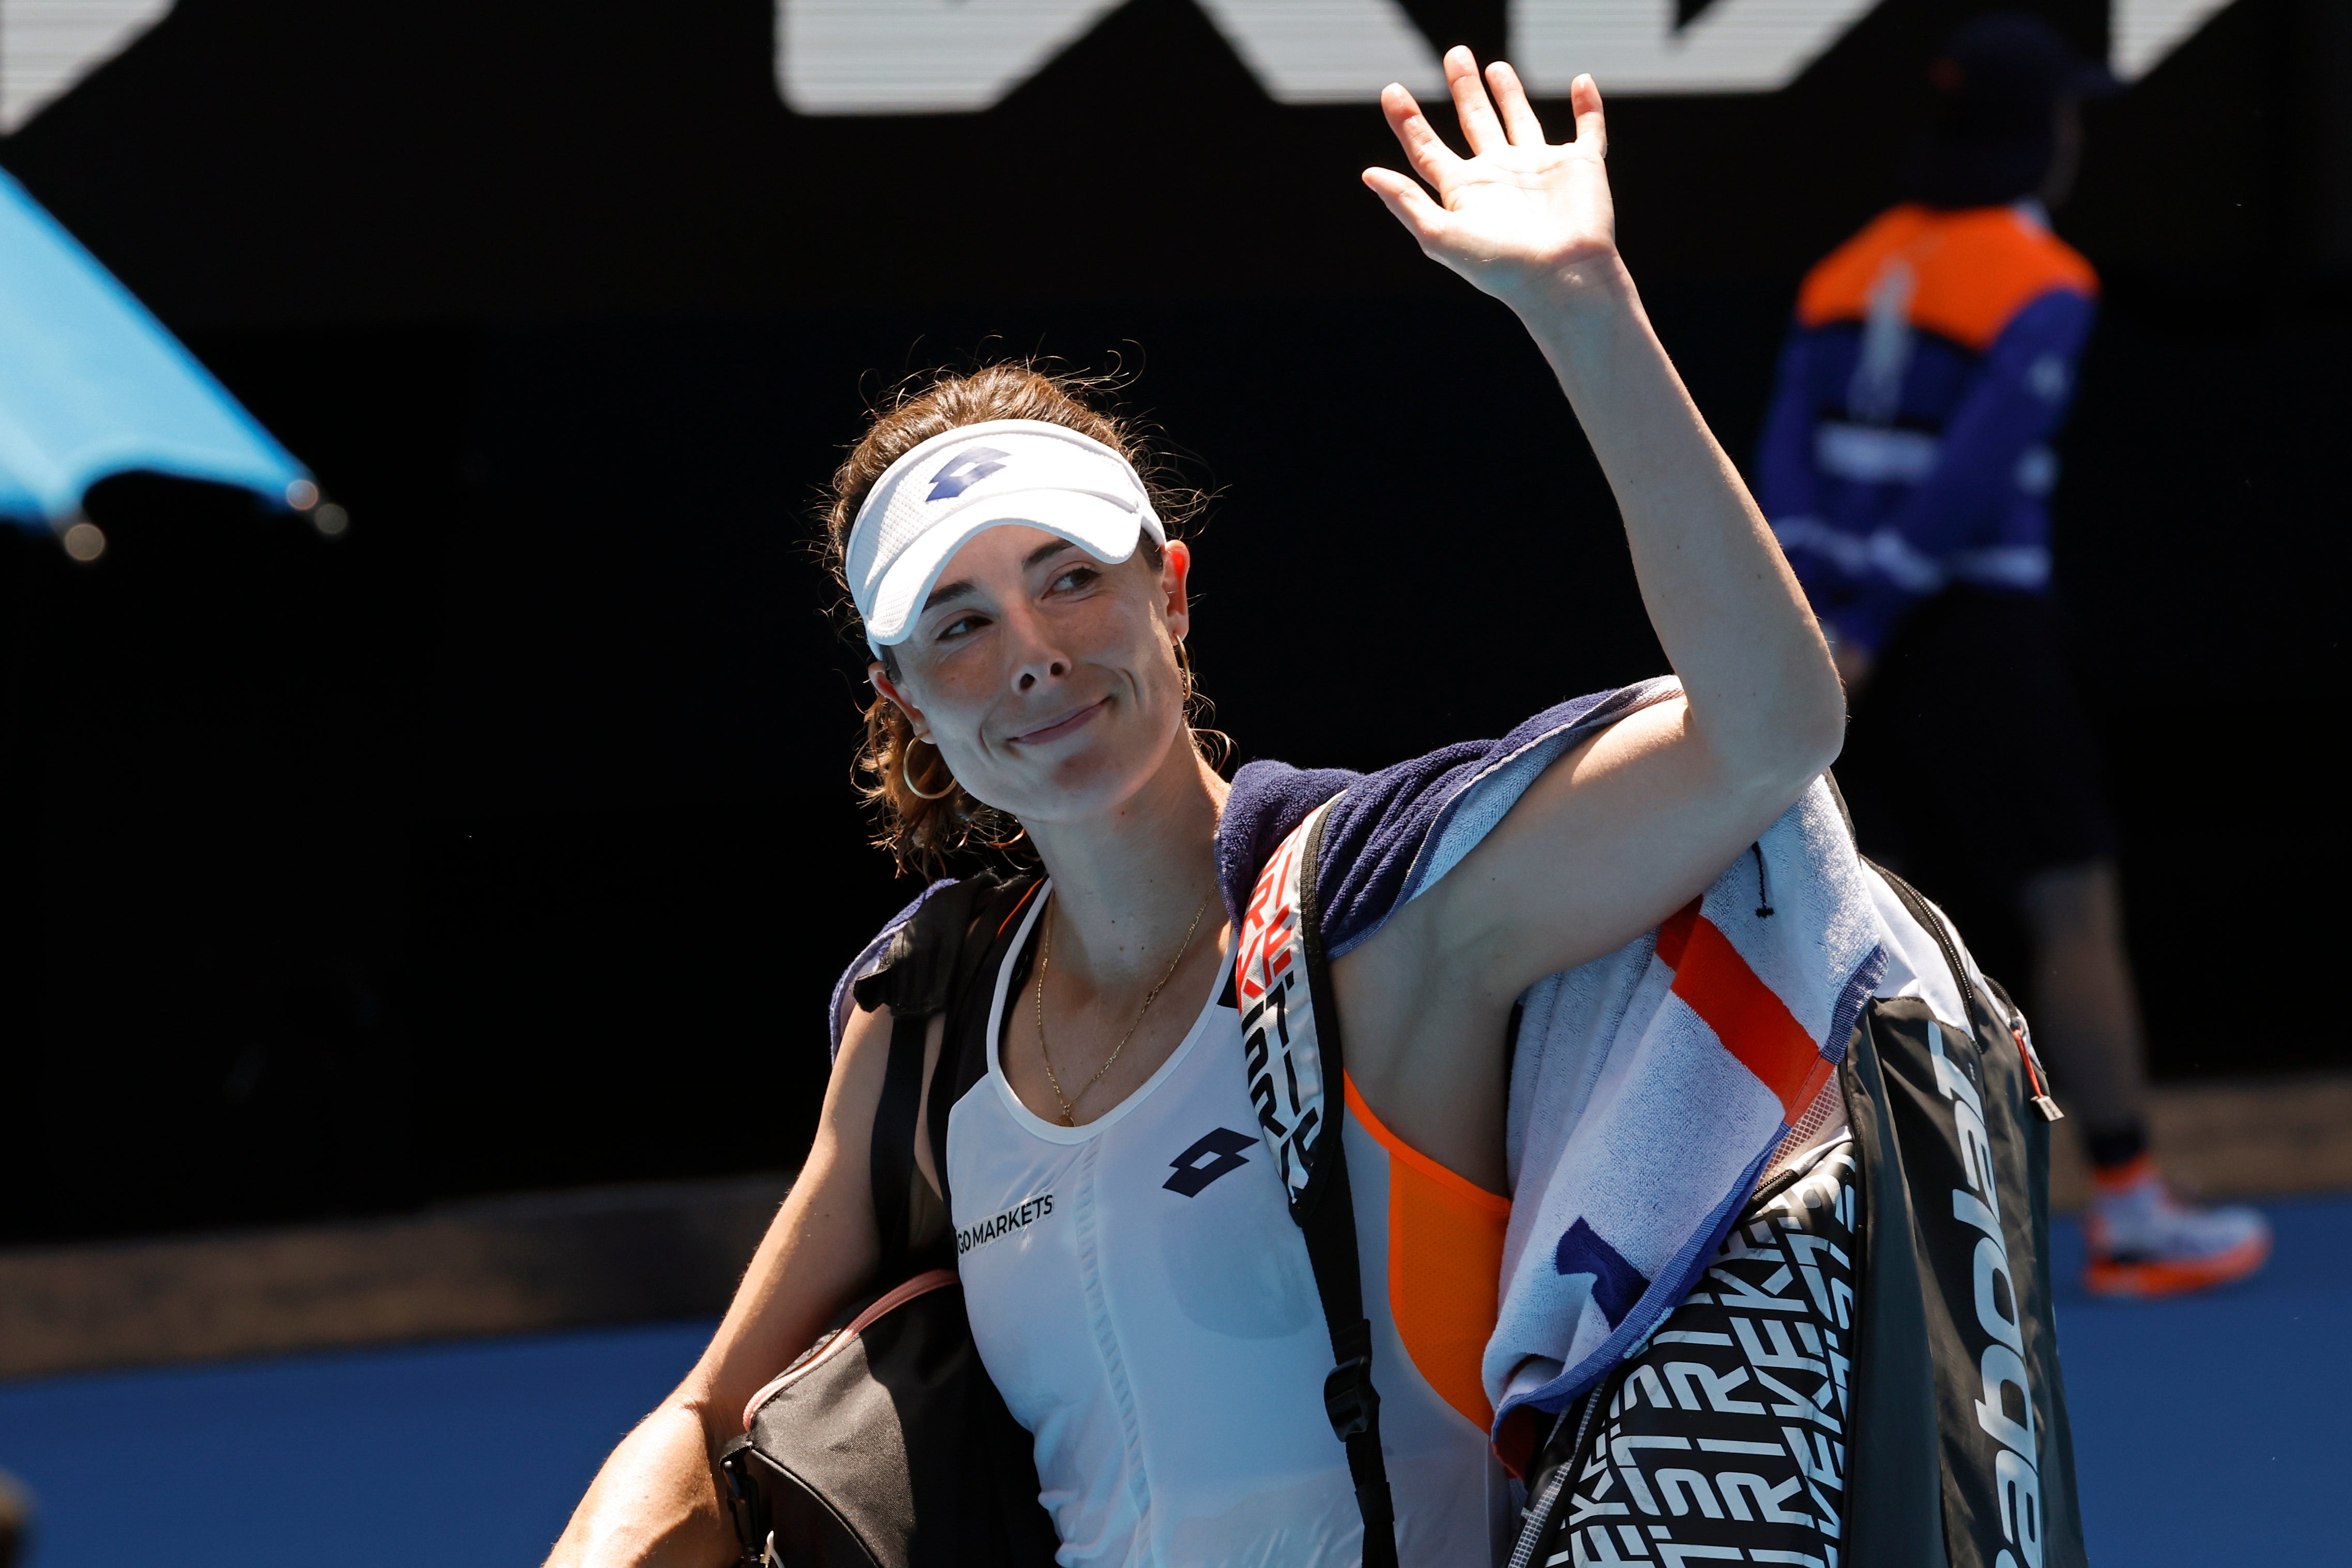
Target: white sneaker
x=2145, y=1242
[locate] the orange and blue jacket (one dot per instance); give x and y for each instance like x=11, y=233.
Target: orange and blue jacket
x=1932, y=357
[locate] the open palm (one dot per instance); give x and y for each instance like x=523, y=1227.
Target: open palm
x=1519, y=214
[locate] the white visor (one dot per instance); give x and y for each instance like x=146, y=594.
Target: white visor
x=975, y=477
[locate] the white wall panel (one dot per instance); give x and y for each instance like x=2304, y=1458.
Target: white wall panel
x=913, y=56
x=2142, y=32
x=46, y=45
x=1328, y=51
x=918, y=57
x=1633, y=47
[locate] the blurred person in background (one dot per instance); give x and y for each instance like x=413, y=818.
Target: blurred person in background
x=1905, y=468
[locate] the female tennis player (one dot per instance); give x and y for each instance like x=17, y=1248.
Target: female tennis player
x=1159, y=1333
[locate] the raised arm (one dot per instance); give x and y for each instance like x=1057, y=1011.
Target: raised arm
x=1619, y=834
x=656, y=1500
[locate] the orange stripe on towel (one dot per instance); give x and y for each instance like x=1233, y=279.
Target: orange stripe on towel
x=1753, y=1024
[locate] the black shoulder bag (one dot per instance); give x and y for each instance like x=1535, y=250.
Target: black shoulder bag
x=885, y=1444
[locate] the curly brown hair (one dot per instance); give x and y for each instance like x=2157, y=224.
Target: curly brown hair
x=924, y=833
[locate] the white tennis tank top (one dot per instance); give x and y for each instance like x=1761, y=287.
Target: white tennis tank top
x=1139, y=1293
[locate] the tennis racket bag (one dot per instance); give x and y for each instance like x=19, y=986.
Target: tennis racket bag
x=1956, y=1451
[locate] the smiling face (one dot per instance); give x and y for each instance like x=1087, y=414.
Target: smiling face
x=1047, y=680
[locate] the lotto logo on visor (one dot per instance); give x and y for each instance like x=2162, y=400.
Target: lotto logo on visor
x=964, y=472
x=933, y=501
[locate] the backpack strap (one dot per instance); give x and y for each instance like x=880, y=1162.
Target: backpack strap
x=1290, y=1032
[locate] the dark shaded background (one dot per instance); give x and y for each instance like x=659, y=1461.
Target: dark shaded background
x=508, y=841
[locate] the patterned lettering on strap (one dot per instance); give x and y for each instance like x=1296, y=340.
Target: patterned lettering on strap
x=1285, y=1064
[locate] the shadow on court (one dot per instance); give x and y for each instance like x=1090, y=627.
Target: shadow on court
x=472, y=1454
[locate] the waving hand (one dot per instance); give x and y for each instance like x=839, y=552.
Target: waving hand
x=1518, y=214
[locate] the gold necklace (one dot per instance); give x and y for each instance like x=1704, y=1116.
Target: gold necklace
x=1046, y=960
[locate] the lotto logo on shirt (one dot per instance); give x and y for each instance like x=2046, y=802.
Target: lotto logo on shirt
x=1015, y=1218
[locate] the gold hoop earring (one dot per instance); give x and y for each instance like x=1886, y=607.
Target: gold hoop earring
x=906, y=757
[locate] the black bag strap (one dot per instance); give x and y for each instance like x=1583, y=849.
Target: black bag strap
x=1326, y=1214
x=894, y=1170
x=911, y=982
x=935, y=964
x=994, y=926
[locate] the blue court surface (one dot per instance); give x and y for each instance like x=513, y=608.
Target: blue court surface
x=2207, y=1431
